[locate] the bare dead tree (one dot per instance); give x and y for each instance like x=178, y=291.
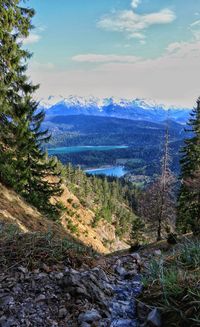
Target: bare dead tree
x=157, y=205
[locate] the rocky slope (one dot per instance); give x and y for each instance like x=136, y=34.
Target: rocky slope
x=99, y=296
x=50, y=279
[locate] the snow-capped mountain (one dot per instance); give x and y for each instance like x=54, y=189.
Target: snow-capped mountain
x=135, y=109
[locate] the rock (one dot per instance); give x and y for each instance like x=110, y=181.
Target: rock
x=46, y=268
x=101, y=274
x=120, y=270
x=40, y=298
x=59, y=275
x=89, y=316
x=157, y=253
x=3, y=320
x=23, y=269
x=7, y=301
x=10, y=322
x=85, y=324
x=62, y=313
x=137, y=258
x=154, y=318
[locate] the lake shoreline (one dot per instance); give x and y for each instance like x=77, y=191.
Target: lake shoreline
x=109, y=171
x=84, y=148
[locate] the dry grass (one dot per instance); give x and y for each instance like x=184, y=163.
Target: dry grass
x=33, y=250
x=14, y=210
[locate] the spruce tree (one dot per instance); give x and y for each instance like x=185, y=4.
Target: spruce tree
x=189, y=197
x=23, y=163
x=15, y=24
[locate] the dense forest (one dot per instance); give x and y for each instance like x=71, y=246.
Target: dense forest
x=144, y=140
x=111, y=199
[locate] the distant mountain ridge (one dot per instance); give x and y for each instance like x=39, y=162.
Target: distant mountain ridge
x=134, y=109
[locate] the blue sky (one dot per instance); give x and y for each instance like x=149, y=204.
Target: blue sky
x=126, y=48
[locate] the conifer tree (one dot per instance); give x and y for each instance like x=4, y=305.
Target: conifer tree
x=15, y=24
x=189, y=197
x=23, y=163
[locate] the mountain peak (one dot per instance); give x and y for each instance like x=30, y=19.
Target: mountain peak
x=134, y=109
x=89, y=101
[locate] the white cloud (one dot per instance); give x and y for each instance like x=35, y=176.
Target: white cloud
x=195, y=29
x=172, y=78
x=32, y=38
x=133, y=24
x=135, y=3
x=98, y=58
x=36, y=66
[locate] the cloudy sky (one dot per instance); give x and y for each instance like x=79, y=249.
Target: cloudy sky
x=125, y=48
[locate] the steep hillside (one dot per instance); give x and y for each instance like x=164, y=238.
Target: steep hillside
x=16, y=212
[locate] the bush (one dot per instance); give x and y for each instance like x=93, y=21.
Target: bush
x=72, y=227
x=75, y=206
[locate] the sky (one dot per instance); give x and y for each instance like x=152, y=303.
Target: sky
x=124, y=48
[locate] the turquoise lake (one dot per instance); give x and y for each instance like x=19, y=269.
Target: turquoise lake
x=115, y=171
x=77, y=149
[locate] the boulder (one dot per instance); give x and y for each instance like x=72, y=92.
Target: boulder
x=154, y=318
x=89, y=316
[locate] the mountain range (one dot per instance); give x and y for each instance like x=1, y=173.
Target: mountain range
x=133, y=109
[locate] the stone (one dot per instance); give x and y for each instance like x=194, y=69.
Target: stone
x=120, y=270
x=7, y=301
x=157, y=253
x=59, y=276
x=46, y=268
x=154, y=318
x=137, y=258
x=40, y=298
x=89, y=316
x=101, y=274
x=3, y=320
x=23, y=269
x=85, y=324
x=62, y=313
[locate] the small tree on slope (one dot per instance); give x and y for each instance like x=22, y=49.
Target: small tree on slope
x=157, y=205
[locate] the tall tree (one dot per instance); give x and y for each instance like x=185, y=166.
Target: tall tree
x=189, y=198
x=15, y=24
x=23, y=163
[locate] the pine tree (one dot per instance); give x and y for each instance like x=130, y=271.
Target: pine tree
x=23, y=163
x=189, y=197
x=15, y=24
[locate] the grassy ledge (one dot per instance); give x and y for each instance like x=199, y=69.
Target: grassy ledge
x=172, y=284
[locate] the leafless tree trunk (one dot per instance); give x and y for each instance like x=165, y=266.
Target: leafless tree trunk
x=157, y=206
